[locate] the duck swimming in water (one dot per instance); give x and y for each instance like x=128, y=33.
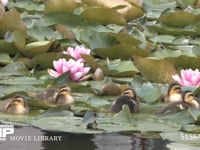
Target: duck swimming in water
x=127, y=97
x=15, y=105
x=188, y=101
x=174, y=93
x=61, y=96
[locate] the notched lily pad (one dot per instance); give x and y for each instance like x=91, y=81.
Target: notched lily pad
x=11, y=21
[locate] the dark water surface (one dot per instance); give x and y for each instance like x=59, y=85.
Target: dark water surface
x=112, y=141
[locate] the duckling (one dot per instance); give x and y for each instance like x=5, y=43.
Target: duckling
x=188, y=101
x=173, y=93
x=64, y=96
x=15, y=105
x=48, y=96
x=57, y=96
x=129, y=98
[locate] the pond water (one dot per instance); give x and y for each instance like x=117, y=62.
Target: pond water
x=68, y=141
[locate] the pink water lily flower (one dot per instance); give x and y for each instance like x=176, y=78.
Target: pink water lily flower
x=188, y=77
x=4, y=2
x=60, y=67
x=76, y=69
x=77, y=52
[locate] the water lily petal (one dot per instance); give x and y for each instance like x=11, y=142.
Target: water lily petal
x=4, y=2
x=76, y=76
x=53, y=73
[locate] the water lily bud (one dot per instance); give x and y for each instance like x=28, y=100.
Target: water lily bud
x=98, y=74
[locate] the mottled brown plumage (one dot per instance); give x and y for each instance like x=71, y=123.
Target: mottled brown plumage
x=129, y=98
x=188, y=101
x=60, y=96
x=15, y=105
x=173, y=93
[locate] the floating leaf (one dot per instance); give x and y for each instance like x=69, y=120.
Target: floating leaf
x=191, y=128
x=5, y=58
x=47, y=33
x=96, y=39
x=178, y=18
x=123, y=51
x=48, y=63
x=11, y=21
x=61, y=6
x=149, y=92
x=171, y=30
x=21, y=80
x=185, y=3
x=7, y=47
x=123, y=68
x=27, y=6
x=110, y=16
x=129, y=9
x=156, y=70
x=14, y=69
x=36, y=48
x=162, y=39
x=126, y=38
x=39, y=104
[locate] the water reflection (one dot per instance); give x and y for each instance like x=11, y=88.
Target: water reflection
x=80, y=141
x=119, y=142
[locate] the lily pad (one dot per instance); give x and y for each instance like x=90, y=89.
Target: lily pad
x=149, y=92
x=123, y=51
x=156, y=70
x=42, y=60
x=11, y=21
x=61, y=6
x=110, y=16
x=36, y=48
x=14, y=69
x=178, y=18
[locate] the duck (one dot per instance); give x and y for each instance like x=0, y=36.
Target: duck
x=64, y=96
x=128, y=97
x=15, y=105
x=188, y=101
x=61, y=96
x=173, y=94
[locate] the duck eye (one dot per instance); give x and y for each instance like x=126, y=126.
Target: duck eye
x=177, y=88
x=19, y=101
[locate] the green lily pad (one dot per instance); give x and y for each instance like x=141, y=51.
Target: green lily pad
x=7, y=47
x=36, y=48
x=11, y=21
x=156, y=70
x=178, y=18
x=5, y=59
x=21, y=80
x=42, y=60
x=61, y=6
x=191, y=128
x=123, y=51
x=149, y=92
x=14, y=69
x=110, y=16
